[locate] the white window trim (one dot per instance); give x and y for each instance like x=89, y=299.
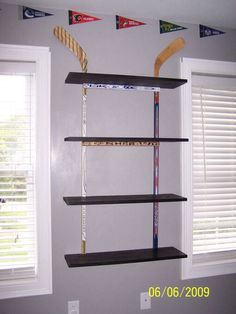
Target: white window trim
x=189, y=66
x=42, y=284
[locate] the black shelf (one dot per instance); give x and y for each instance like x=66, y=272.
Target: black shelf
x=127, y=81
x=123, y=257
x=122, y=141
x=122, y=199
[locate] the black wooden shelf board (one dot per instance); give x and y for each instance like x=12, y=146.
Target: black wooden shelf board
x=123, y=257
x=122, y=199
x=123, y=139
x=127, y=80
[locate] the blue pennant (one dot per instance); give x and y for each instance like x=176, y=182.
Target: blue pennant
x=29, y=13
x=206, y=31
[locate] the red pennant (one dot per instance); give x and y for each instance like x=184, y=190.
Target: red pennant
x=123, y=22
x=79, y=18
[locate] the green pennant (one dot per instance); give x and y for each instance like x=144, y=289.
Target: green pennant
x=166, y=27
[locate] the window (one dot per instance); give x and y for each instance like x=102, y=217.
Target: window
x=209, y=168
x=25, y=205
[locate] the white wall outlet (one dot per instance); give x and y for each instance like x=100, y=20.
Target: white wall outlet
x=73, y=307
x=145, y=301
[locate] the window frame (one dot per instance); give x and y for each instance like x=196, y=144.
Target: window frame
x=211, y=268
x=42, y=283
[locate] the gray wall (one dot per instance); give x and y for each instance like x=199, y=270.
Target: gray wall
x=115, y=289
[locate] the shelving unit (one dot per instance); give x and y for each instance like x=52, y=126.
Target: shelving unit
x=124, y=82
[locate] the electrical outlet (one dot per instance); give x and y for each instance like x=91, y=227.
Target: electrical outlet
x=73, y=307
x=145, y=301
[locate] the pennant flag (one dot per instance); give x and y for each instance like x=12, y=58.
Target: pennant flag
x=29, y=13
x=79, y=18
x=206, y=31
x=123, y=22
x=166, y=27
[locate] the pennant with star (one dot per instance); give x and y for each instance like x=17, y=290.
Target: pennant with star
x=124, y=22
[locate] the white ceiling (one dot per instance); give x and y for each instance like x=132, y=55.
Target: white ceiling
x=215, y=13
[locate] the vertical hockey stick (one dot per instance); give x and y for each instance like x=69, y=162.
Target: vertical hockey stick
x=72, y=44
x=171, y=49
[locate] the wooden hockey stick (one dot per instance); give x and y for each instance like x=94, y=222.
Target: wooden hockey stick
x=78, y=51
x=169, y=51
x=72, y=44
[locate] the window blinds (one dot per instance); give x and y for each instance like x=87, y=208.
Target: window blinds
x=214, y=164
x=18, y=241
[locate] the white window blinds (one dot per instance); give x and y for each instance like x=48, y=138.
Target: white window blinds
x=214, y=163
x=18, y=241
